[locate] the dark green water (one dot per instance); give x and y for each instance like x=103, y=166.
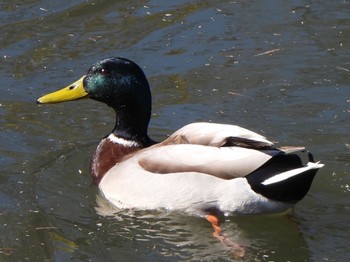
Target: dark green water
x=280, y=68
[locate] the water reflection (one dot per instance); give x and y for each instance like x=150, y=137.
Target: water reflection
x=179, y=235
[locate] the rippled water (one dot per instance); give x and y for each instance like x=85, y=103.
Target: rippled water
x=280, y=68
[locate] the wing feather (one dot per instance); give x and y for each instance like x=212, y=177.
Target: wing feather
x=222, y=162
x=210, y=134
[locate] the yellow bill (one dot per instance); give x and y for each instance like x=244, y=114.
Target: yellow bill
x=72, y=92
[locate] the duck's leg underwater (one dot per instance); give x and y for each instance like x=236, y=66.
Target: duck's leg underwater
x=238, y=251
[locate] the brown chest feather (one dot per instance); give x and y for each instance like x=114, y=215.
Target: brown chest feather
x=107, y=155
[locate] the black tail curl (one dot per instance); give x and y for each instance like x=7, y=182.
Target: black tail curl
x=289, y=190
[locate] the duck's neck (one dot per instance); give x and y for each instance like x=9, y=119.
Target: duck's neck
x=131, y=124
x=133, y=112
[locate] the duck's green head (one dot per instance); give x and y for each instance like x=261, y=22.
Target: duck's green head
x=109, y=81
x=117, y=82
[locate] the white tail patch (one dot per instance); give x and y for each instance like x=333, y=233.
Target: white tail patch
x=291, y=173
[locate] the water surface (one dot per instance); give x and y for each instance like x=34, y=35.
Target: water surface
x=280, y=68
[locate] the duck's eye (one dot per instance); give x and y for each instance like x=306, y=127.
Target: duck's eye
x=104, y=71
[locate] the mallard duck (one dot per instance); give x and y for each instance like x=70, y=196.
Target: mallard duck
x=202, y=168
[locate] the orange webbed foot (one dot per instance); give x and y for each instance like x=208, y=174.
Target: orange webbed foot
x=238, y=251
